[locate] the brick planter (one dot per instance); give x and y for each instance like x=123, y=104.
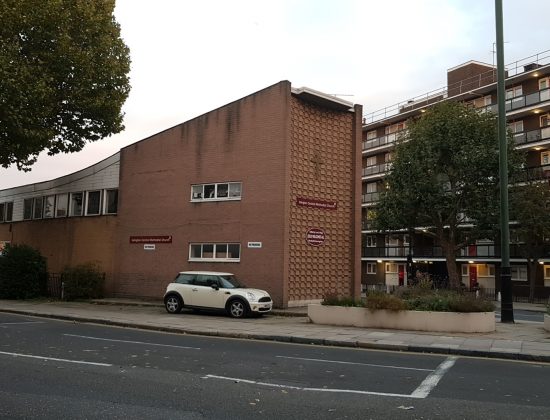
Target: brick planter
x=402, y=320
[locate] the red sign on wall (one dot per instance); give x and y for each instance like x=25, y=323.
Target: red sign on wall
x=315, y=237
x=151, y=239
x=316, y=204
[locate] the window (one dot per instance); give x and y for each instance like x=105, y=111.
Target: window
x=371, y=135
x=371, y=268
x=394, y=128
x=61, y=205
x=371, y=161
x=545, y=120
x=93, y=203
x=547, y=276
x=514, y=92
x=27, y=208
x=391, y=268
x=516, y=126
x=217, y=191
x=545, y=158
x=38, y=205
x=9, y=211
x=215, y=252
x=544, y=83
x=76, y=204
x=480, y=102
x=370, y=241
x=519, y=272
x=49, y=205
x=110, y=205
x=371, y=187
x=2, y=211
x=185, y=278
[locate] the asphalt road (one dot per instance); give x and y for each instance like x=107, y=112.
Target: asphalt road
x=60, y=370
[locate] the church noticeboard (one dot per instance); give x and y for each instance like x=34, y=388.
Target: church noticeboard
x=315, y=237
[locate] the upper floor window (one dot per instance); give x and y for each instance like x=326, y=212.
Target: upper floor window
x=516, y=126
x=371, y=161
x=371, y=135
x=518, y=272
x=9, y=211
x=514, y=92
x=215, y=252
x=372, y=187
x=2, y=211
x=38, y=207
x=93, y=203
x=394, y=128
x=27, y=208
x=216, y=191
x=370, y=241
x=111, y=202
x=76, y=204
x=371, y=268
x=545, y=120
x=61, y=205
x=480, y=102
x=544, y=83
x=49, y=205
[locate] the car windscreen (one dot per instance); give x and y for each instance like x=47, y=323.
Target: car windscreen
x=231, y=282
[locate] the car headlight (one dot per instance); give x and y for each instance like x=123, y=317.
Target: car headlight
x=251, y=295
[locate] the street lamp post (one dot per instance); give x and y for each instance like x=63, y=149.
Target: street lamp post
x=506, y=305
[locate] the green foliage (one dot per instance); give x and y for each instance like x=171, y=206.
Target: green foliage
x=84, y=281
x=445, y=169
x=448, y=301
x=385, y=301
x=63, y=77
x=23, y=273
x=332, y=299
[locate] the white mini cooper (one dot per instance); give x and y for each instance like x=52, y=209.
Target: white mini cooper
x=213, y=290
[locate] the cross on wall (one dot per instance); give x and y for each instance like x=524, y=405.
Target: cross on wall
x=317, y=162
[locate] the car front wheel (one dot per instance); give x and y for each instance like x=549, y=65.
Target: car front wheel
x=173, y=304
x=237, y=308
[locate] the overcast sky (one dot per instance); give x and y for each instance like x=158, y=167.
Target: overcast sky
x=189, y=57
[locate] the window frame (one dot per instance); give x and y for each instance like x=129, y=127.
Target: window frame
x=542, y=118
x=514, y=92
x=9, y=211
x=106, y=194
x=52, y=213
x=82, y=204
x=544, y=80
x=370, y=241
x=233, y=191
x=37, y=205
x=516, y=272
x=371, y=268
x=86, y=208
x=58, y=201
x=2, y=212
x=214, y=253
x=28, y=208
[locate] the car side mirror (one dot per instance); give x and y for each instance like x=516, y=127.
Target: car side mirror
x=215, y=286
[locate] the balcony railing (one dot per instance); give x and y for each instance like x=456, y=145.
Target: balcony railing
x=532, y=136
x=527, y=100
x=384, y=140
x=377, y=169
x=370, y=197
x=472, y=251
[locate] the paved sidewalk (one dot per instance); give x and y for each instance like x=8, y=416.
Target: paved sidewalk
x=522, y=341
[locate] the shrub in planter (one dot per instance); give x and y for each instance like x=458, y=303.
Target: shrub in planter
x=84, y=281
x=23, y=273
x=333, y=299
x=449, y=301
x=385, y=301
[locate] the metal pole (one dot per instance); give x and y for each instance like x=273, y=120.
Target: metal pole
x=506, y=305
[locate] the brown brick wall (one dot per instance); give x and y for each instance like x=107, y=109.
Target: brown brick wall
x=329, y=136
x=242, y=141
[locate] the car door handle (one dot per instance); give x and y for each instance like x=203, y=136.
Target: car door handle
x=194, y=290
x=227, y=293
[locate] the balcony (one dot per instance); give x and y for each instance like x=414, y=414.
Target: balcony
x=532, y=136
x=376, y=169
x=369, y=198
x=388, y=139
x=536, y=173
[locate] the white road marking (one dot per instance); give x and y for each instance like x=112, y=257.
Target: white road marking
x=354, y=363
x=298, y=388
x=132, y=342
x=81, y=362
x=433, y=379
x=20, y=323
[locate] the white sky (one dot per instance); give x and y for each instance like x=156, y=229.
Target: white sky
x=189, y=57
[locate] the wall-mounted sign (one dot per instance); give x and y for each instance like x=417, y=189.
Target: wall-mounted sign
x=254, y=244
x=149, y=247
x=316, y=204
x=315, y=237
x=151, y=239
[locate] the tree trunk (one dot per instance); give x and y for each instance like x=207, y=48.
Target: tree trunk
x=532, y=265
x=450, y=259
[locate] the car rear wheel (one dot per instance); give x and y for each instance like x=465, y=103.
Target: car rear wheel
x=173, y=304
x=237, y=308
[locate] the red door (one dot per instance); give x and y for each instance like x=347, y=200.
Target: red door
x=401, y=271
x=473, y=276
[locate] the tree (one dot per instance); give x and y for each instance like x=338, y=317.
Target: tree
x=63, y=77
x=529, y=208
x=23, y=273
x=444, y=178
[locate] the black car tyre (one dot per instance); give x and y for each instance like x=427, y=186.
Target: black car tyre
x=237, y=308
x=173, y=304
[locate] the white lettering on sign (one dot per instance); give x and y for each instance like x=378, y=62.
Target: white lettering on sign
x=254, y=244
x=315, y=237
x=149, y=247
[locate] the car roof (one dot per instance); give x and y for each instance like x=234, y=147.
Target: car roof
x=208, y=273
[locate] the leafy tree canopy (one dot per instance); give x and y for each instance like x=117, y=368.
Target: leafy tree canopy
x=445, y=174
x=63, y=77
